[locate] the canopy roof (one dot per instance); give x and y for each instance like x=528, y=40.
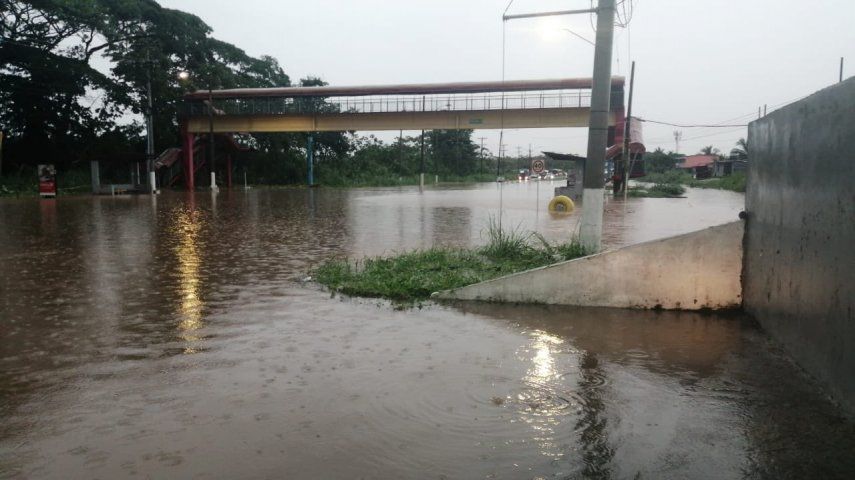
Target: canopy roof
x=404, y=89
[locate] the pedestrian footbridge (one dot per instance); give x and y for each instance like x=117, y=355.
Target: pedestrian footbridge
x=468, y=105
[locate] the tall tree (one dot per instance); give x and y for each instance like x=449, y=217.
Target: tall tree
x=709, y=150
x=453, y=151
x=740, y=151
x=58, y=104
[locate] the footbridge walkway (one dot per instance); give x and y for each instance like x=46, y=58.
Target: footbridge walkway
x=467, y=105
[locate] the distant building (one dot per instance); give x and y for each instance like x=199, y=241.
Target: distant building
x=700, y=166
x=722, y=168
x=726, y=167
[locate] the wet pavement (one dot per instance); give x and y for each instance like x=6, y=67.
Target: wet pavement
x=174, y=338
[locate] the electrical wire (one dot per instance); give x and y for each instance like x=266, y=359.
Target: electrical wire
x=691, y=126
x=711, y=134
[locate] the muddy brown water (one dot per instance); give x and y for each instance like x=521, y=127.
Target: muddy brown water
x=174, y=338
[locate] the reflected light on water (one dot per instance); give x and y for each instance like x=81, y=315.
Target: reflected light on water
x=187, y=253
x=541, y=403
x=544, y=364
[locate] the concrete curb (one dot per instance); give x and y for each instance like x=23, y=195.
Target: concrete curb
x=693, y=271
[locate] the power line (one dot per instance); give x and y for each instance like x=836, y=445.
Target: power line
x=712, y=134
x=718, y=125
x=722, y=123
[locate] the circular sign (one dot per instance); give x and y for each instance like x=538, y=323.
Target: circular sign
x=538, y=166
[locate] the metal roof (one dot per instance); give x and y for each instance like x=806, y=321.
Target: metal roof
x=692, y=161
x=403, y=89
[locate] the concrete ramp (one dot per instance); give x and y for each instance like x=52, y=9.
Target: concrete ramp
x=698, y=270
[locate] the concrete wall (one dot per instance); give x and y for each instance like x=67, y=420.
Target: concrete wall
x=692, y=271
x=800, y=235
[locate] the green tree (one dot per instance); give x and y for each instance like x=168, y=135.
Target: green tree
x=740, y=151
x=452, y=152
x=659, y=161
x=57, y=106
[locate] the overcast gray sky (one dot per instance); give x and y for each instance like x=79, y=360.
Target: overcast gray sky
x=697, y=61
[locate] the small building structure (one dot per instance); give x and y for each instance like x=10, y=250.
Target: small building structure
x=700, y=166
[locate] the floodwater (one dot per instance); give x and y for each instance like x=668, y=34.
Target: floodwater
x=174, y=337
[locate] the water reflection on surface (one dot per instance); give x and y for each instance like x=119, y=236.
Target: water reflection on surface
x=187, y=228
x=101, y=300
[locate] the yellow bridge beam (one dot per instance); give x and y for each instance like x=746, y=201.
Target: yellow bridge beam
x=447, y=120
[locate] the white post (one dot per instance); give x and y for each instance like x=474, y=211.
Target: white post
x=152, y=182
x=213, y=181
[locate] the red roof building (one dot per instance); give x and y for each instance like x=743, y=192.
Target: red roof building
x=700, y=166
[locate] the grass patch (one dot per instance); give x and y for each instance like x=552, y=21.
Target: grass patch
x=735, y=182
x=414, y=276
x=659, y=190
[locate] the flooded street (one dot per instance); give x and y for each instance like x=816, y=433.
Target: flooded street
x=173, y=337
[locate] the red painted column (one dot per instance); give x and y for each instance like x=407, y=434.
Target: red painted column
x=189, y=174
x=229, y=170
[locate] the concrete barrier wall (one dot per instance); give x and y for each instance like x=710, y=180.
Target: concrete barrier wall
x=800, y=235
x=692, y=271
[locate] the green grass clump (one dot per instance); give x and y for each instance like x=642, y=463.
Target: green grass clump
x=735, y=182
x=414, y=276
x=679, y=177
x=659, y=190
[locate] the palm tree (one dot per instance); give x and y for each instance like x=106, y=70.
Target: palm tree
x=741, y=149
x=709, y=150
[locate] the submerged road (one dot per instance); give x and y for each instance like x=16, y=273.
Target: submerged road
x=173, y=338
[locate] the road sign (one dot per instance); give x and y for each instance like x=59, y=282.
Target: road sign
x=538, y=166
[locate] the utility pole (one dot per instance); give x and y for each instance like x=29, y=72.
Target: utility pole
x=519, y=157
x=149, y=127
x=627, y=153
x=591, y=227
x=422, y=162
x=422, y=154
x=499, y=160
x=841, y=70
x=481, y=170
x=678, y=135
x=401, y=148
x=457, y=151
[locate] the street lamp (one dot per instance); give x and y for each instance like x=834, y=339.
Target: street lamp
x=183, y=76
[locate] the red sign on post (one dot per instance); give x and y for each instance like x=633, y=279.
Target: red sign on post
x=47, y=180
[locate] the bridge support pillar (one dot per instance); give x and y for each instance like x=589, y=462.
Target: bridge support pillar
x=229, y=170
x=189, y=173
